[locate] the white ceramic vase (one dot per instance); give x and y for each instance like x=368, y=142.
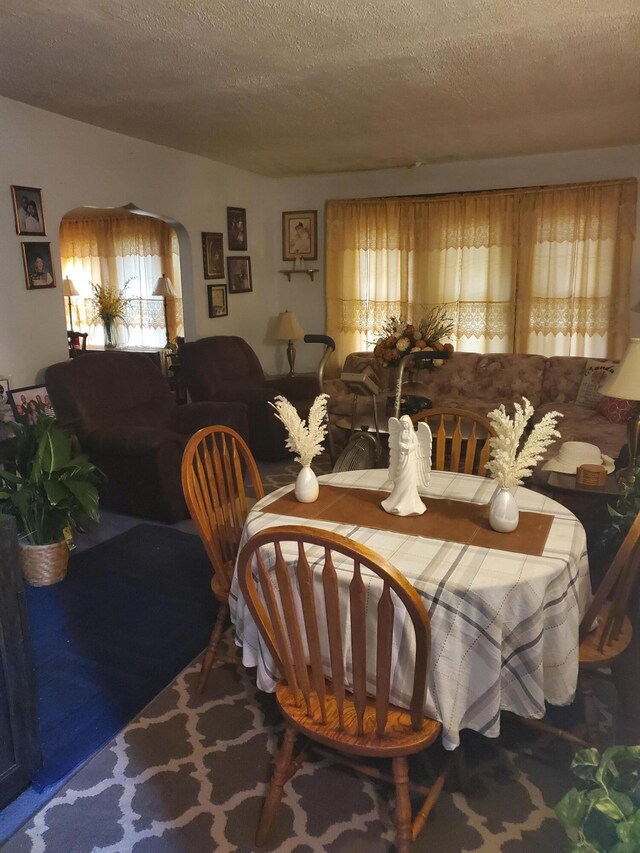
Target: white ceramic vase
x=503, y=510
x=306, y=489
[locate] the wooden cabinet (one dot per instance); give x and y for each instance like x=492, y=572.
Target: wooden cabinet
x=19, y=747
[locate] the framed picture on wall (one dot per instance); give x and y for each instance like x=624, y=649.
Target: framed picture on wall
x=27, y=403
x=237, y=229
x=217, y=298
x=28, y=210
x=38, y=268
x=239, y=273
x=6, y=412
x=300, y=234
x=212, y=254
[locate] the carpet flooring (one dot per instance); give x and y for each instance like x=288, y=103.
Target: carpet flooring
x=131, y=613
x=188, y=774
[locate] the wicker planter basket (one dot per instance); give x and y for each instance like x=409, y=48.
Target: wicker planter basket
x=43, y=565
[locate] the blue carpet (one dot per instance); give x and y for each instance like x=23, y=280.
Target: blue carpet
x=131, y=613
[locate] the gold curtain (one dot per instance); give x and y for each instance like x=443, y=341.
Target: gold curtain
x=113, y=250
x=479, y=255
x=574, y=269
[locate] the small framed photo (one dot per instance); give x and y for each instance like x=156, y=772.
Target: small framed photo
x=239, y=273
x=300, y=235
x=6, y=412
x=28, y=210
x=38, y=268
x=212, y=254
x=217, y=297
x=27, y=403
x=237, y=229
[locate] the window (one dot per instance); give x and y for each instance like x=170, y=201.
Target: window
x=542, y=270
x=129, y=252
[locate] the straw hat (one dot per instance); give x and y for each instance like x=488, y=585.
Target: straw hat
x=575, y=453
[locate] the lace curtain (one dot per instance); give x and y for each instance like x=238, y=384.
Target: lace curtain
x=130, y=252
x=527, y=271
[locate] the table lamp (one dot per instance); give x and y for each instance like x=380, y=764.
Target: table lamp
x=289, y=329
x=69, y=290
x=625, y=383
x=164, y=288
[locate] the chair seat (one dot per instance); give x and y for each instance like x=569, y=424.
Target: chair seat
x=398, y=739
x=590, y=655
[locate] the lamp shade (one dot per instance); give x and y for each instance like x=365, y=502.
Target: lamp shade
x=69, y=288
x=625, y=382
x=164, y=287
x=288, y=327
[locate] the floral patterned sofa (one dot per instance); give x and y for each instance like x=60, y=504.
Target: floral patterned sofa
x=481, y=382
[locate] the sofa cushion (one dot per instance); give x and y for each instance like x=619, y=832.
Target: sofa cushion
x=596, y=371
x=562, y=377
x=615, y=410
x=507, y=377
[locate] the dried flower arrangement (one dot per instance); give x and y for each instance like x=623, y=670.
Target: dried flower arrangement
x=508, y=466
x=305, y=441
x=399, y=338
x=109, y=304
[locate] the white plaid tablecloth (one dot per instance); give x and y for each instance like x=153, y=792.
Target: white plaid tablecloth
x=504, y=626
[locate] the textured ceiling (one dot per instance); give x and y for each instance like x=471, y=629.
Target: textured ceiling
x=285, y=87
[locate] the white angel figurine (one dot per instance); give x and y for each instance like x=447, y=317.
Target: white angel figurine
x=409, y=466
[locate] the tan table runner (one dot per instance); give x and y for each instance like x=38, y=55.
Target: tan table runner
x=453, y=521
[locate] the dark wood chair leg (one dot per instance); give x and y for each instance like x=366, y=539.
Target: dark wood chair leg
x=210, y=654
x=280, y=776
x=402, y=817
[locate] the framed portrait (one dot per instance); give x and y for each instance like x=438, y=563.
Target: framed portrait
x=300, y=235
x=237, y=229
x=217, y=298
x=6, y=412
x=27, y=403
x=239, y=274
x=28, y=210
x=38, y=268
x=212, y=254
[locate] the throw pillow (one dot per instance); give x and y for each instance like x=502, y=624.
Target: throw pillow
x=595, y=373
x=615, y=410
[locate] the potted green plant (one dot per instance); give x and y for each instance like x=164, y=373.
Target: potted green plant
x=52, y=493
x=602, y=814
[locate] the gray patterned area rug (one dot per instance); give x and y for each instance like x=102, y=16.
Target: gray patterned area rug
x=188, y=775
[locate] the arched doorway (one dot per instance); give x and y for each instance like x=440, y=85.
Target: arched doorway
x=131, y=256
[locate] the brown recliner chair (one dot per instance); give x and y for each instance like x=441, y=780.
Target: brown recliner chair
x=224, y=367
x=120, y=407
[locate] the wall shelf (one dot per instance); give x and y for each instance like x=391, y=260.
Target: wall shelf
x=309, y=272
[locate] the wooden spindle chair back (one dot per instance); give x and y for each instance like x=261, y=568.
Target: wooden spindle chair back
x=215, y=463
x=298, y=626
x=460, y=438
x=605, y=633
x=610, y=604
x=293, y=581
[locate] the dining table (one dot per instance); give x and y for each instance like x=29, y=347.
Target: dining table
x=504, y=608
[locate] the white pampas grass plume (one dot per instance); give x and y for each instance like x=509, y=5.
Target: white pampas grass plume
x=305, y=441
x=506, y=465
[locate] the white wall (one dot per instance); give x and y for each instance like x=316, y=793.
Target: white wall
x=76, y=164
x=311, y=192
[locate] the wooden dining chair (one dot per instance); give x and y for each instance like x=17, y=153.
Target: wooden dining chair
x=460, y=439
x=214, y=463
x=605, y=633
x=335, y=689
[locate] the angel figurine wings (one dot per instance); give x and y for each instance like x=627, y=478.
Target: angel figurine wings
x=409, y=466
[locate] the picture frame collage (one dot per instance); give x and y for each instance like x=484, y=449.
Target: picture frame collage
x=238, y=267
x=28, y=210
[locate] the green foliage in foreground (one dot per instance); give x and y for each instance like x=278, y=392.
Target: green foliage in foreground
x=55, y=486
x=602, y=814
